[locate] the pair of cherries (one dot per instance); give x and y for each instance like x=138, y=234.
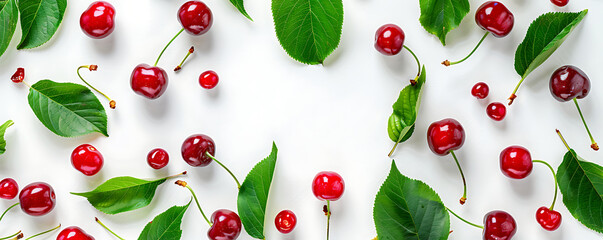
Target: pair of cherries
x=496, y=110
x=36, y=199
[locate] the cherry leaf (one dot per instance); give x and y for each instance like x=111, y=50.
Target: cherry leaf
x=8, y=23
x=241, y=7
x=3, y=128
x=401, y=123
x=40, y=19
x=166, y=226
x=439, y=17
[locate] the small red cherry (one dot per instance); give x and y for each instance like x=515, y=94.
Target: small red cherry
x=98, y=20
x=496, y=111
x=87, y=159
x=445, y=135
x=195, y=17
x=549, y=219
x=389, y=39
x=499, y=225
x=208, y=79
x=18, y=76
x=226, y=225
x=495, y=18
x=569, y=82
x=285, y=221
x=194, y=150
x=560, y=3
x=37, y=199
x=328, y=186
x=158, y=158
x=148, y=81
x=8, y=188
x=516, y=162
x=480, y=90
x=74, y=233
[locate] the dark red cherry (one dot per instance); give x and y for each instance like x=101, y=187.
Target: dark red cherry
x=195, y=17
x=194, y=149
x=516, y=162
x=389, y=39
x=569, y=82
x=98, y=20
x=496, y=111
x=148, y=81
x=495, y=18
x=560, y=3
x=445, y=135
x=87, y=159
x=8, y=188
x=480, y=90
x=18, y=76
x=37, y=199
x=285, y=221
x=328, y=186
x=208, y=79
x=549, y=219
x=158, y=158
x=226, y=225
x=74, y=233
x=499, y=225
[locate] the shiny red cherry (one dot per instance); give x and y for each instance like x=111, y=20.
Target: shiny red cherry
x=495, y=18
x=194, y=150
x=8, y=188
x=74, y=233
x=445, y=135
x=328, y=186
x=516, y=162
x=226, y=225
x=148, y=81
x=158, y=158
x=499, y=225
x=560, y=3
x=389, y=39
x=569, y=82
x=37, y=199
x=496, y=111
x=549, y=219
x=480, y=90
x=18, y=76
x=195, y=17
x=285, y=221
x=87, y=159
x=98, y=20
x=208, y=79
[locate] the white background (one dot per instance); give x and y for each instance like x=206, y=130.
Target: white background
x=330, y=117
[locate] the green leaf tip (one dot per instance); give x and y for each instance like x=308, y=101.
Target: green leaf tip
x=40, y=19
x=3, y=128
x=439, y=17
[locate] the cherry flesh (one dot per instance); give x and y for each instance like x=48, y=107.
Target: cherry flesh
x=328, y=186
x=208, y=79
x=480, y=90
x=98, y=21
x=195, y=17
x=18, y=76
x=8, y=188
x=549, y=219
x=37, y=199
x=516, y=162
x=389, y=39
x=158, y=158
x=499, y=225
x=74, y=233
x=496, y=111
x=560, y=3
x=569, y=82
x=87, y=159
x=445, y=135
x=150, y=82
x=285, y=221
x=194, y=150
x=495, y=18
x=226, y=225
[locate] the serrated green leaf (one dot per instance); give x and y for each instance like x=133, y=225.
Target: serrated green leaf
x=241, y=7
x=308, y=30
x=409, y=209
x=581, y=184
x=402, y=121
x=3, y=128
x=8, y=23
x=544, y=36
x=166, y=226
x=67, y=109
x=439, y=17
x=253, y=195
x=40, y=19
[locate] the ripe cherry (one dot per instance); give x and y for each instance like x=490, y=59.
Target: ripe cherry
x=208, y=79
x=549, y=219
x=8, y=188
x=74, y=233
x=18, y=76
x=516, y=162
x=480, y=90
x=495, y=18
x=499, y=225
x=37, y=199
x=87, y=159
x=496, y=111
x=98, y=20
x=195, y=17
x=328, y=186
x=194, y=150
x=226, y=225
x=389, y=39
x=158, y=158
x=148, y=81
x=285, y=221
x=560, y=3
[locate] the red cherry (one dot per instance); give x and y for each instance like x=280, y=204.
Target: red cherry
x=549, y=219
x=516, y=162
x=37, y=199
x=496, y=111
x=494, y=17
x=87, y=159
x=560, y=3
x=499, y=225
x=74, y=233
x=226, y=225
x=445, y=135
x=18, y=76
x=389, y=39
x=98, y=20
x=569, y=82
x=208, y=79
x=480, y=90
x=328, y=186
x=195, y=17
x=158, y=158
x=8, y=188
x=148, y=81
x=194, y=149
x=285, y=221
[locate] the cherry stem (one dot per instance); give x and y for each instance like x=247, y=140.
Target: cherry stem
x=166, y=46
x=17, y=235
x=462, y=219
x=563, y=140
x=223, y=166
x=448, y=63
x=413, y=82
x=464, y=198
x=177, y=175
x=185, y=184
x=93, y=68
x=594, y=144
x=513, y=96
x=107, y=228
x=45, y=232
x=554, y=177
x=190, y=51
x=328, y=217
x=8, y=209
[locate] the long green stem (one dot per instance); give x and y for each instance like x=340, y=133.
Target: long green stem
x=462, y=219
x=190, y=51
x=328, y=217
x=554, y=177
x=166, y=46
x=107, y=228
x=93, y=68
x=184, y=184
x=228, y=170
x=413, y=82
x=513, y=96
x=17, y=235
x=45, y=232
x=8, y=209
x=448, y=63
x=594, y=144
x=464, y=198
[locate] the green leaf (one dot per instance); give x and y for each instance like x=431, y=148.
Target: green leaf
x=544, y=36
x=122, y=194
x=402, y=121
x=409, y=209
x=8, y=23
x=581, y=184
x=40, y=19
x=3, y=128
x=308, y=30
x=166, y=226
x=253, y=195
x=239, y=5
x=439, y=17
x=67, y=109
